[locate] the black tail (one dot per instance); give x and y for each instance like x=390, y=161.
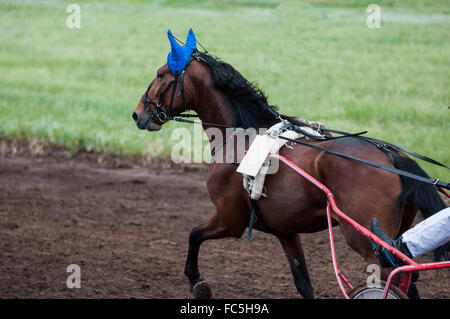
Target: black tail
x=422, y=195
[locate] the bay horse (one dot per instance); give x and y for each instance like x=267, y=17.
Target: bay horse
x=219, y=94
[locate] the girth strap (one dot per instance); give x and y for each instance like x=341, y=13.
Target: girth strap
x=252, y=218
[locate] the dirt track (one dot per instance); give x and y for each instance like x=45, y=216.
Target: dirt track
x=127, y=227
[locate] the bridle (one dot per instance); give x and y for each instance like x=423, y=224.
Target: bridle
x=161, y=113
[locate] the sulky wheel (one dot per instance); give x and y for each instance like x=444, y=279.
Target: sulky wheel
x=364, y=292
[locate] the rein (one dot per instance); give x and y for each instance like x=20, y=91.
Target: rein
x=162, y=116
x=435, y=182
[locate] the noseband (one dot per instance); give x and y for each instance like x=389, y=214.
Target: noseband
x=161, y=114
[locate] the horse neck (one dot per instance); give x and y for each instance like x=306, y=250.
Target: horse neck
x=212, y=106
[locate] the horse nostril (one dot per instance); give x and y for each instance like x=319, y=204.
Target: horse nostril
x=135, y=117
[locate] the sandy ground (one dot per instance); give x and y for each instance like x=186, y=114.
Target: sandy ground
x=127, y=227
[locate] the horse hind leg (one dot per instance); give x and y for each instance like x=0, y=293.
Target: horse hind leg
x=294, y=252
x=362, y=245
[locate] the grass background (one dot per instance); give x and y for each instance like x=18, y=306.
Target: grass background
x=316, y=59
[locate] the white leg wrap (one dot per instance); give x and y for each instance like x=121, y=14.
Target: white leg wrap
x=428, y=234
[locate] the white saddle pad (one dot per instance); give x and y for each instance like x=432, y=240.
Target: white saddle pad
x=256, y=165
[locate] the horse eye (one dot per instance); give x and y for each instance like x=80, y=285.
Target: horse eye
x=160, y=76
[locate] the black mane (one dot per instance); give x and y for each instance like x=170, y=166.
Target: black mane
x=249, y=102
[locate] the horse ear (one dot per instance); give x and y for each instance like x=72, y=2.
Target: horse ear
x=173, y=44
x=191, y=42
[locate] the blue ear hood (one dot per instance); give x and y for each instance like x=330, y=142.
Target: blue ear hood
x=179, y=55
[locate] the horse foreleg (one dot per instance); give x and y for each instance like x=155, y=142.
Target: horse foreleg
x=212, y=229
x=294, y=252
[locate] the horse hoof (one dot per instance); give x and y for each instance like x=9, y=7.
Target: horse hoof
x=201, y=290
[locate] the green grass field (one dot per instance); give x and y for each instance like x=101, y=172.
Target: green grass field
x=316, y=59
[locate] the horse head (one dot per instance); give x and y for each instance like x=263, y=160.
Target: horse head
x=171, y=91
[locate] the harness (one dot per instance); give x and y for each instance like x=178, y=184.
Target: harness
x=161, y=115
